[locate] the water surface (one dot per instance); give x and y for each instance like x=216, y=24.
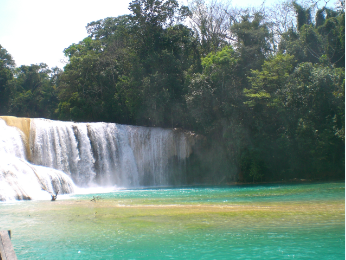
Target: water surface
x=302, y=221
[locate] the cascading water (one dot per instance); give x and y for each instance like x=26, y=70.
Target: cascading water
x=101, y=154
x=21, y=180
x=110, y=154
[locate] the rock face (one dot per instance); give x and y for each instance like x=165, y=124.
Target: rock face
x=102, y=154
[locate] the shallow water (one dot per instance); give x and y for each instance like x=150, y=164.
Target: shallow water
x=303, y=221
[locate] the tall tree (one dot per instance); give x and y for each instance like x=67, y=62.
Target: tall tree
x=321, y=41
x=6, y=75
x=165, y=49
x=252, y=41
x=297, y=118
x=211, y=24
x=34, y=91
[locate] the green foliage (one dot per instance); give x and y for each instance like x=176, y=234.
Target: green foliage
x=266, y=82
x=224, y=59
x=6, y=75
x=303, y=15
x=252, y=168
x=211, y=94
x=322, y=41
x=317, y=108
x=34, y=91
x=300, y=119
x=157, y=13
x=332, y=31
x=253, y=41
x=266, y=113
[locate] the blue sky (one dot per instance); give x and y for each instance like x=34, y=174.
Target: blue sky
x=35, y=31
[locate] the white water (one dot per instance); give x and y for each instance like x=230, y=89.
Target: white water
x=91, y=154
x=110, y=154
x=21, y=180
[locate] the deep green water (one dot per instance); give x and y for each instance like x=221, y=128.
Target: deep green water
x=303, y=221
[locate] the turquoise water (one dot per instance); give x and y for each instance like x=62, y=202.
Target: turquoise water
x=235, y=194
x=303, y=221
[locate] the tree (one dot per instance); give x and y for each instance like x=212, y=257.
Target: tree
x=157, y=12
x=267, y=120
x=87, y=86
x=265, y=90
x=330, y=25
x=322, y=41
x=212, y=94
x=252, y=41
x=6, y=75
x=34, y=91
x=211, y=24
x=303, y=15
x=298, y=116
x=164, y=49
x=215, y=104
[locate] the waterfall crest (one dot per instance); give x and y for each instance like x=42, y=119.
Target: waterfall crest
x=89, y=154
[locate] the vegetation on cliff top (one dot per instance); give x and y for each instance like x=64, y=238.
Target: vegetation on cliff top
x=265, y=86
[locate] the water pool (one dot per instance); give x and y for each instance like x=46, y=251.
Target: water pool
x=301, y=221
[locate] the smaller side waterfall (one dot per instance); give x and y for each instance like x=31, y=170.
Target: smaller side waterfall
x=21, y=180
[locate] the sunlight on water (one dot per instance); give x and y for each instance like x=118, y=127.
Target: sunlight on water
x=241, y=222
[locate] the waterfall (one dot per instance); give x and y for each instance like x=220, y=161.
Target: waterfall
x=20, y=179
x=109, y=154
x=92, y=154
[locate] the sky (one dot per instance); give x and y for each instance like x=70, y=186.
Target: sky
x=35, y=31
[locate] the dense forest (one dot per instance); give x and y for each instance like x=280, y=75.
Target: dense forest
x=264, y=87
